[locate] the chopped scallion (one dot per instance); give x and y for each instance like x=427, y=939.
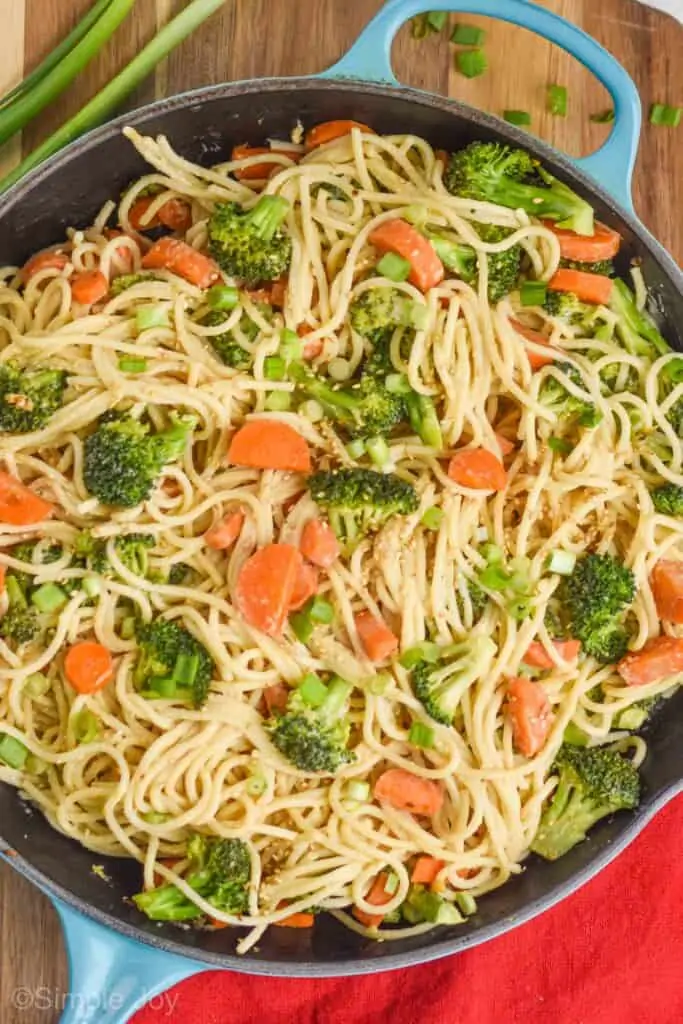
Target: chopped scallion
x=432, y=517
x=223, y=297
x=279, y=401
x=379, y=683
x=274, y=368
x=397, y=384
x=356, y=449
x=393, y=267
x=519, y=117
x=256, y=784
x=149, y=316
x=128, y=628
x=436, y=20
x=320, y=610
x=155, y=817
x=467, y=35
x=378, y=450
x=12, y=751
x=339, y=369
x=418, y=315
x=575, y=736
x=471, y=63
x=49, y=598
x=557, y=100
x=562, y=562
x=92, y=586
x=86, y=726
x=421, y=735
x=466, y=902
x=533, y=293
x=662, y=114
x=312, y=410
x=312, y=690
x=185, y=669
x=302, y=626
x=632, y=718
x=291, y=345
x=132, y=364
x=355, y=789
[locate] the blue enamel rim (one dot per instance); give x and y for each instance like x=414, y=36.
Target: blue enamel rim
x=125, y=967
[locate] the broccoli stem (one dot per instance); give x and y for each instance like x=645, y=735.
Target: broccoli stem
x=267, y=216
x=423, y=419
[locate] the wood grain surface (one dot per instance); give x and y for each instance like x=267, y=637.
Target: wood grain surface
x=255, y=38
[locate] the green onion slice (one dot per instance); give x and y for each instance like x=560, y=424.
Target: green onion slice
x=471, y=63
x=519, y=117
x=533, y=293
x=394, y=267
x=467, y=35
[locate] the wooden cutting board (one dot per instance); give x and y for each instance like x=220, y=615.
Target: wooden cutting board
x=255, y=38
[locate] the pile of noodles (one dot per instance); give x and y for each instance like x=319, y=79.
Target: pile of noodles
x=310, y=846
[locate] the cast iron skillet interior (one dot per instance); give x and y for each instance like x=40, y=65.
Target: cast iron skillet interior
x=203, y=126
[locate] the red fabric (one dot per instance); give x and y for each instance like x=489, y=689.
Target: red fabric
x=610, y=954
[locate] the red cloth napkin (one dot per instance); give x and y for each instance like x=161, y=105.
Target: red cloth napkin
x=610, y=954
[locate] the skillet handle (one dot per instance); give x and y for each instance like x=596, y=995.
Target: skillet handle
x=110, y=976
x=611, y=166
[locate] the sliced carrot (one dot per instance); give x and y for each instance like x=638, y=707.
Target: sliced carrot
x=168, y=862
x=529, y=710
x=3, y=573
x=537, y=657
x=479, y=469
x=263, y=169
x=269, y=444
x=89, y=286
x=306, y=586
x=426, y=269
x=658, y=659
x=426, y=869
x=217, y=925
x=667, y=586
x=276, y=697
x=319, y=543
x=536, y=360
x=181, y=259
x=603, y=244
x=265, y=585
x=224, y=534
x=593, y=288
x=19, y=506
x=442, y=155
x=313, y=348
x=273, y=294
x=88, y=666
x=377, y=639
x=300, y=920
x=377, y=897
x=123, y=252
x=328, y=131
x=407, y=792
x=48, y=259
x=505, y=444
x=174, y=214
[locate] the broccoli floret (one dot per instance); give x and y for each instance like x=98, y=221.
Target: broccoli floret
x=424, y=418
x=315, y=739
x=227, y=346
x=566, y=306
x=28, y=398
x=440, y=685
x=250, y=244
x=124, y=281
x=496, y=173
x=25, y=553
x=593, y=782
x=635, y=716
x=366, y=409
x=219, y=872
x=668, y=499
x=635, y=328
x=479, y=599
x=377, y=313
x=91, y=553
x=20, y=623
x=122, y=459
x=595, y=596
x=563, y=403
x=604, y=267
x=167, y=652
x=133, y=550
x=359, y=501
x=179, y=574
x=460, y=259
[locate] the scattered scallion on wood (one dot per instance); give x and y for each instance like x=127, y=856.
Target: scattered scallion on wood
x=557, y=100
x=467, y=35
x=471, y=63
x=663, y=115
x=108, y=100
x=604, y=117
x=521, y=118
